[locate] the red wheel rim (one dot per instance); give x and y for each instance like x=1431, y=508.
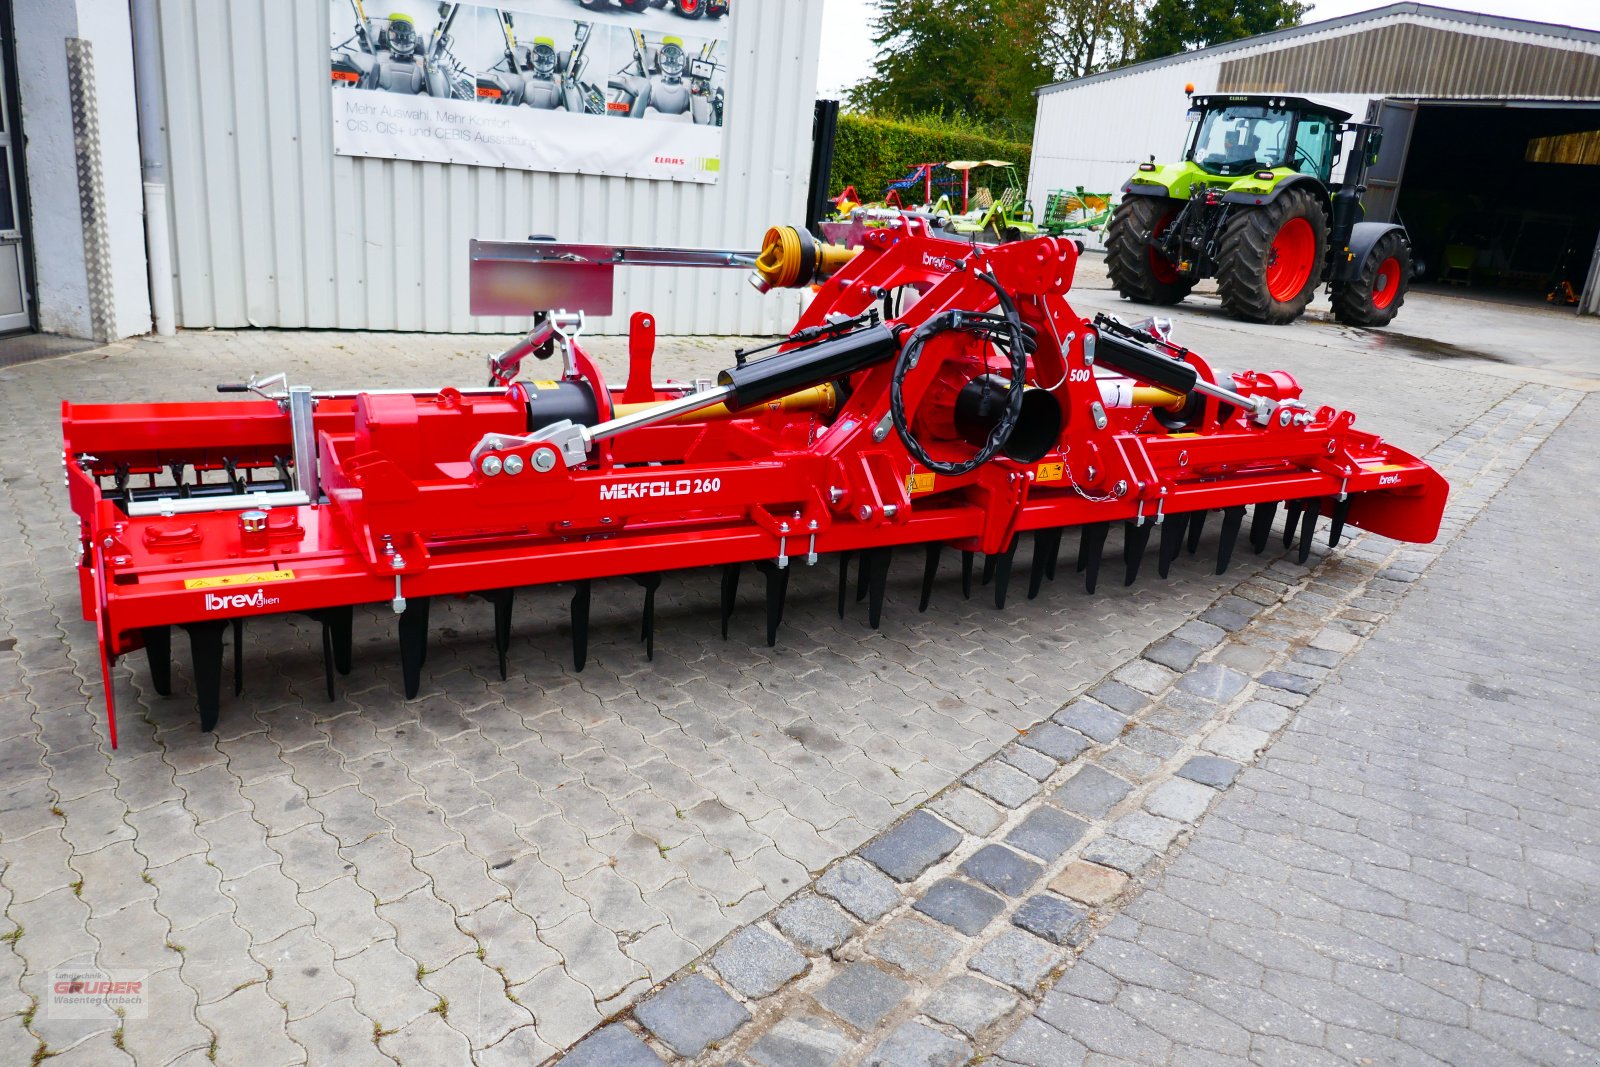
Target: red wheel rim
x=1289, y=265
x=1162, y=268
x=688, y=7
x=1387, y=283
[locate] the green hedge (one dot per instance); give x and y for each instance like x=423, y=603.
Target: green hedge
x=870, y=152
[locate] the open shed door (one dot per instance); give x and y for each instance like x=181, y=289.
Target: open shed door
x=1398, y=119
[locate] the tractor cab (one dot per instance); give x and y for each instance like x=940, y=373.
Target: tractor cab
x=1232, y=136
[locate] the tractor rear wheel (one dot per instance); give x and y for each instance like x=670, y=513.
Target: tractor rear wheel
x=691, y=9
x=1270, y=258
x=1374, y=295
x=1138, y=271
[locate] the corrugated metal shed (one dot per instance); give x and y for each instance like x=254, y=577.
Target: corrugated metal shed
x=1093, y=131
x=271, y=229
x=1410, y=59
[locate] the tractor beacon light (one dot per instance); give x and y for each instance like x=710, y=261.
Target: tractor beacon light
x=935, y=394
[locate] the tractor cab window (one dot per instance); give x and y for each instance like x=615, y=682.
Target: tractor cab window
x=1242, y=138
x=1314, y=143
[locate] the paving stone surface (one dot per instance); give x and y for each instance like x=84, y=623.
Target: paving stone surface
x=1391, y=883
x=912, y=847
x=756, y=962
x=561, y=841
x=690, y=1014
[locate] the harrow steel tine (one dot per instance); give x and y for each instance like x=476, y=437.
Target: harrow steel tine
x=1197, y=525
x=1341, y=510
x=989, y=565
x=844, y=579
x=1308, y=527
x=647, y=630
x=1261, y=525
x=863, y=575
x=158, y=650
x=1090, y=549
x=327, y=660
x=966, y=574
x=337, y=624
x=930, y=569
x=238, y=656
x=1002, y=571
x=777, y=591
x=341, y=621
x=1172, y=531
x=502, y=600
x=1046, y=547
x=1135, y=539
x=1232, y=519
x=876, y=563
x=581, y=595
x=205, y=646
x=414, y=643
x=730, y=593
x=1291, y=520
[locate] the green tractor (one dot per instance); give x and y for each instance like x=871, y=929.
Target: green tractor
x=1253, y=204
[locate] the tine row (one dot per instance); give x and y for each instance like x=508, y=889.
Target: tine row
x=1179, y=533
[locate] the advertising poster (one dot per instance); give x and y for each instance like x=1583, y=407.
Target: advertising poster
x=633, y=88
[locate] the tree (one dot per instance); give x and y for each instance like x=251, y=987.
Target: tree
x=1093, y=35
x=982, y=59
x=1174, y=26
x=959, y=57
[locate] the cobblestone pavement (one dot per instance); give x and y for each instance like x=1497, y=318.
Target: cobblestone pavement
x=1055, y=828
x=488, y=872
x=1409, y=875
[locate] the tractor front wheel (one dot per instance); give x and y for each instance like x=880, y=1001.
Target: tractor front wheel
x=1270, y=258
x=691, y=9
x=595, y=5
x=1374, y=296
x=1138, y=271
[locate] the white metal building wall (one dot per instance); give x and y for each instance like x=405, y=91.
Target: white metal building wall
x=271, y=229
x=1094, y=134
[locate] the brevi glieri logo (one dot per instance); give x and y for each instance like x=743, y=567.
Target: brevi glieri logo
x=95, y=993
x=234, y=601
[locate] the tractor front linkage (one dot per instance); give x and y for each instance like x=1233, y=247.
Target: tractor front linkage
x=934, y=393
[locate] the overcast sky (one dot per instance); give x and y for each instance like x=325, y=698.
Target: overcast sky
x=848, y=51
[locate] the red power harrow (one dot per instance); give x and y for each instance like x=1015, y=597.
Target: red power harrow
x=934, y=393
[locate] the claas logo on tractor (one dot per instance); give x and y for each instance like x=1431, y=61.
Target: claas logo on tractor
x=935, y=397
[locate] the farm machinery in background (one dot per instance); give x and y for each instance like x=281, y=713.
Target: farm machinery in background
x=981, y=216
x=935, y=397
x=1253, y=204
x=1075, y=211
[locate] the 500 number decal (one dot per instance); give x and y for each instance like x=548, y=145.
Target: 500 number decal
x=660, y=488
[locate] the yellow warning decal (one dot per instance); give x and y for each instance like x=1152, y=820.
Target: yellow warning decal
x=1379, y=468
x=1183, y=435
x=920, y=483
x=1048, y=472
x=547, y=385
x=237, y=579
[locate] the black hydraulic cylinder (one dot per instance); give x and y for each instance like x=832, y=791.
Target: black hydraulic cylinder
x=1145, y=364
x=801, y=368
